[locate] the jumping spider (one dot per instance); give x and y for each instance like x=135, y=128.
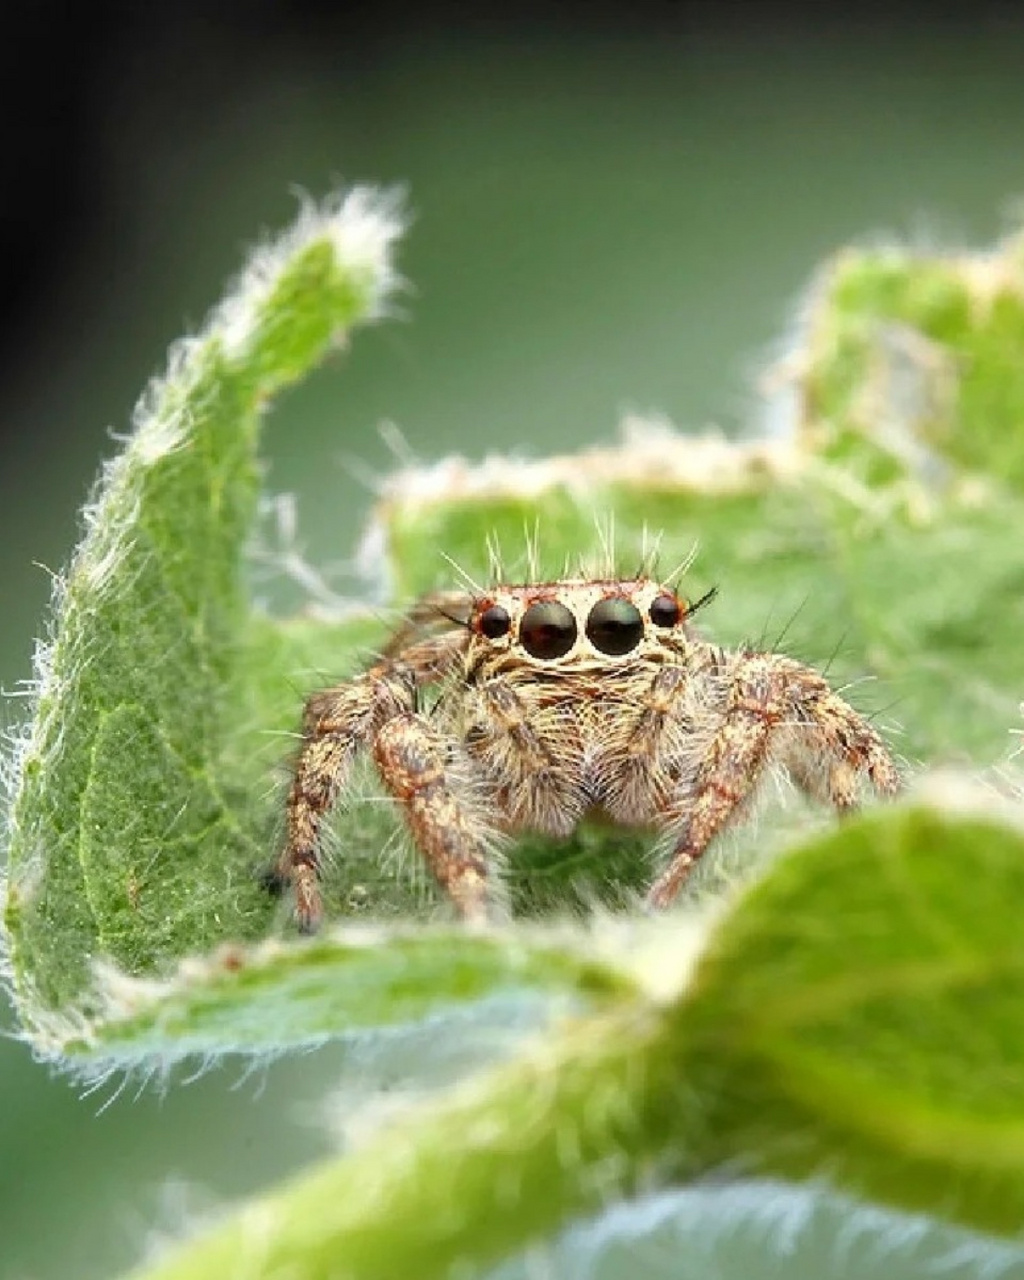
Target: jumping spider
x=558, y=700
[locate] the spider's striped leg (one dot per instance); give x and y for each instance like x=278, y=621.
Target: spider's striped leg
x=337, y=723
x=776, y=708
x=446, y=822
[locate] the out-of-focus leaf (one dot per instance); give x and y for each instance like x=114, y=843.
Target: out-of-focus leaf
x=814, y=1040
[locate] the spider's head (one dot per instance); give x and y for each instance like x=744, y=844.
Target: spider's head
x=581, y=622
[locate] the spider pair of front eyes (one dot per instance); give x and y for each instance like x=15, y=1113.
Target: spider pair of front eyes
x=548, y=629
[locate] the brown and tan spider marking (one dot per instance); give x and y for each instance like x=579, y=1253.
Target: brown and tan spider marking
x=558, y=700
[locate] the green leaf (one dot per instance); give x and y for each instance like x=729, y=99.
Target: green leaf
x=899, y=1077
x=138, y=816
x=142, y=807
x=921, y=355
x=249, y=999
x=504, y=1161
x=859, y=1014
x=921, y=591
x=762, y=1227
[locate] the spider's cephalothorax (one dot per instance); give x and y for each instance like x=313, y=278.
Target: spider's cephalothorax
x=561, y=699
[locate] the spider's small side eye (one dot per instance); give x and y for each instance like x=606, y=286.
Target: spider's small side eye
x=665, y=611
x=548, y=630
x=494, y=622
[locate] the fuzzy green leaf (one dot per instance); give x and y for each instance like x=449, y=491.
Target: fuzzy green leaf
x=920, y=354
x=143, y=809
x=859, y=1013
x=250, y=999
x=898, y=1077
x=137, y=820
x=924, y=592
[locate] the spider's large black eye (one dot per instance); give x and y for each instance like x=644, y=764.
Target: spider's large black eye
x=615, y=626
x=665, y=611
x=494, y=622
x=548, y=630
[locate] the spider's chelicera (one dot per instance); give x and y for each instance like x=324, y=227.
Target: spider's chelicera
x=558, y=700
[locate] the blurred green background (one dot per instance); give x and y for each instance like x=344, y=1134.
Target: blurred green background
x=604, y=221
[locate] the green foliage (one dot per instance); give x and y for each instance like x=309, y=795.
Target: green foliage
x=899, y=1073
x=922, y=355
x=851, y=1011
x=248, y=1000
x=138, y=812
x=858, y=1011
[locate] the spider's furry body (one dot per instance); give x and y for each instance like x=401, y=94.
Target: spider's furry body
x=561, y=699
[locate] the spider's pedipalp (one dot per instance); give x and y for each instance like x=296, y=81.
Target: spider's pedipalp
x=531, y=751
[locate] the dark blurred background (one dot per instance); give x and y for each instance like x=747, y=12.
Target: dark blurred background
x=614, y=209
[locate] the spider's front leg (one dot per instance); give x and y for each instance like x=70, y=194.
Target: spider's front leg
x=775, y=708
x=336, y=724
x=415, y=763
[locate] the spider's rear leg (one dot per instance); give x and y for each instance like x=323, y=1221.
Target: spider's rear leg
x=773, y=703
x=438, y=611
x=833, y=752
x=447, y=826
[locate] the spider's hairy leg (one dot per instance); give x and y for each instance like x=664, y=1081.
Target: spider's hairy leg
x=413, y=760
x=775, y=707
x=834, y=749
x=652, y=747
x=437, y=612
x=337, y=723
